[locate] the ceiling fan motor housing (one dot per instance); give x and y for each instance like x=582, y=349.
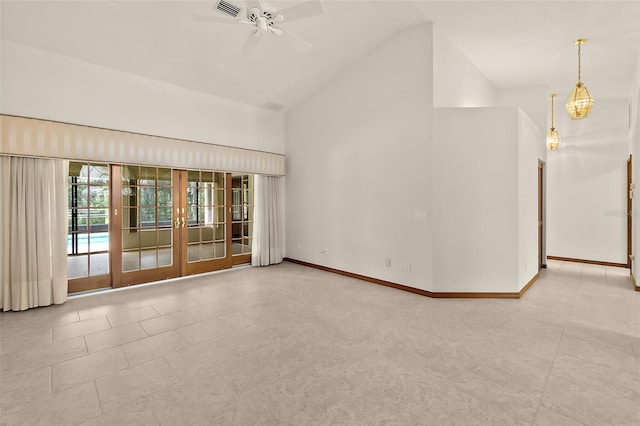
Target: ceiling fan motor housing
x=255, y=15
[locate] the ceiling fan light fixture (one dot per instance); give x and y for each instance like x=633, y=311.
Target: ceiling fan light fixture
x=265, y=19
x=262, y=24
x=580, y=101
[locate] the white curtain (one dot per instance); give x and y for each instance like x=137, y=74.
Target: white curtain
x=268, y=236
x=33, y=232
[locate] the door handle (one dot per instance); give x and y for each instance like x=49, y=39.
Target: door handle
x=183, y=221
x=177, y=222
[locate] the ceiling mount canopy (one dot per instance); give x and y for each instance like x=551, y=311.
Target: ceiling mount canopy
x=580, y=100
x=553, y=138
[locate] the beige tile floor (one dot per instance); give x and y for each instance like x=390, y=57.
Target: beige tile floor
x=289, y=345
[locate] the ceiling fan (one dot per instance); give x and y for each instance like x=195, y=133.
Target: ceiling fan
x=265, y=19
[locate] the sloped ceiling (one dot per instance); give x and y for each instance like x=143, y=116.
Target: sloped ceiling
x=514, y=43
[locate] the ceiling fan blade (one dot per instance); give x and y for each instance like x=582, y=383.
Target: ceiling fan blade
x=252, y=42
x=302, y=10
x=209, y=19
x=295, y=41
x=251, y=4
x=275, y=31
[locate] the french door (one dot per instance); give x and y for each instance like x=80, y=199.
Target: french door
x=145, y=234
x=163, y=223
x=205, y=214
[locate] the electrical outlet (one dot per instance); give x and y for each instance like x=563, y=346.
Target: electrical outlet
x=387, y=262
x=407, y=266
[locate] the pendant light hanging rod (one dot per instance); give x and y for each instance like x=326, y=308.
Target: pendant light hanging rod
x=552, y=110
x=579, y=42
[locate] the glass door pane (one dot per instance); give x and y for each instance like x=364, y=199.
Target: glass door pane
x=88, y=263
x=242, y=217
x=149, y=225
x=205, y=205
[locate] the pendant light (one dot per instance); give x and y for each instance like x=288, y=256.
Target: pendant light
x=553, y=138
x=580, y=101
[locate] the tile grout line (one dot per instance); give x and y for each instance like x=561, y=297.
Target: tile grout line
x=604, y=345
x=145, y=400
x=555, y=355
x=125, y=355
x=95, y=386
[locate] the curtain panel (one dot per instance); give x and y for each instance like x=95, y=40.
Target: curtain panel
x=268, y=232
x=33, y=232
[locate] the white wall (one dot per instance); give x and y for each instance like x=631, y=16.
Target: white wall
x=586, y=184
x=456, y=80
x=458, y=83
x=535, y=102
x=44, y=85
x=359, y=159
x=375, y=174
x=634, y=148
x=531, y=141
x=484, y=199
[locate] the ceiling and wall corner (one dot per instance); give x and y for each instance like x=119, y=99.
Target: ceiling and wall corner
x=50, y=86
x=467, y=86
x=513, y=43
x=531, y=43
x=534, y=101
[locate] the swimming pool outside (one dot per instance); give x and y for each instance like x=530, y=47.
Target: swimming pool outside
x=99, y=242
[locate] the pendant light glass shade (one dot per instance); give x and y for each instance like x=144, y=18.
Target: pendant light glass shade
x=553, y=138
x=580, y=100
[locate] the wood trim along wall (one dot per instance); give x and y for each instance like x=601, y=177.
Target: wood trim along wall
x=635, y=284
x=590, y=262
x=89, y=283
x=435, y=295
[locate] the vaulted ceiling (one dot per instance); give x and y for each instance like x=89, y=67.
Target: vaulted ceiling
x=513, y=43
